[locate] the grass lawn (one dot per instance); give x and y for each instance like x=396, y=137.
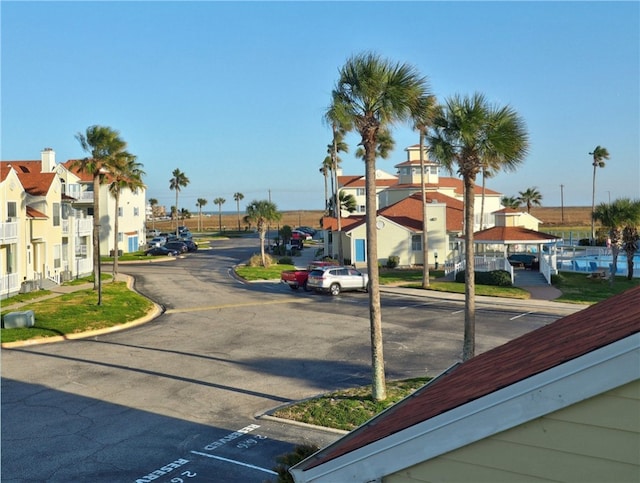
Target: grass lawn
x=261, y=273
x=577, y=288
x=79, y=312
x=350, y=408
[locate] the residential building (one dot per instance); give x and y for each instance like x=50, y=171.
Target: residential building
x=355, y=186
x=46, y=223
x=41, y=236
x=561, y=403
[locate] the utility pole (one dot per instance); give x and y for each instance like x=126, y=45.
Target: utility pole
x=562, y=202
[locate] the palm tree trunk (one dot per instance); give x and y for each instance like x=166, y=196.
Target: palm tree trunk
x=593, y=205
x=97, y=282
x=238, y=211
x=468, y=346
x=338, y=208
x=379, y=391
x=263, y=232
x=115, y=237
x=425, y=239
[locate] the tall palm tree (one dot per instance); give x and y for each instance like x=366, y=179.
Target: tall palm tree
x=468, y=131
x=262, y=213
x=219, y=201
x=238, y=197
x=510, y=202
x=372, y=94
x=125, y=173
x=200, y=203
x=386, y=143
x=103, y=144
x=530, y=197
x=340, y=123
x=599, y=154
x=178, y=181
x=153, y=203
x=422, y=120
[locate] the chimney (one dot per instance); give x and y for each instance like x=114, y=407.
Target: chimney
x=48, y=159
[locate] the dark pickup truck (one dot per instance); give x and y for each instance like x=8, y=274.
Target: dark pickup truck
x=298, y=278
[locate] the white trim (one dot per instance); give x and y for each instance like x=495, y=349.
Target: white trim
x=561, y=386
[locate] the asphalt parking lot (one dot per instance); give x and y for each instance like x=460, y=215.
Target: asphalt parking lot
x=182, y=397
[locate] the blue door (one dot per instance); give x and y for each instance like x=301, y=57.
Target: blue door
x=133, y=243
x=360, y=250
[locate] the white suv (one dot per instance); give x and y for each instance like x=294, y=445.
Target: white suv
x=337, y=279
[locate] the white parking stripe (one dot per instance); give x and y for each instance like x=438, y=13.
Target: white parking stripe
x=521, y=315
x=247, y=465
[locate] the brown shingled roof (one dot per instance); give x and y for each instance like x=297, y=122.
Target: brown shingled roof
x=533, y=353
x=513, y=234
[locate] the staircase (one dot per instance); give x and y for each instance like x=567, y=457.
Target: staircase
x=528, y=278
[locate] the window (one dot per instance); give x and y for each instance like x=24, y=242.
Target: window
x=57, y=250
x=120, y=236
x=361, y=192
x=362, y=209
x=56, y=214
x=11, y=209
x=136, y=211
x=120, y=211
x=416, y=243
x=434, y=170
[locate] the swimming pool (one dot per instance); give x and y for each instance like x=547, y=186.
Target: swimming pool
x=593, y=263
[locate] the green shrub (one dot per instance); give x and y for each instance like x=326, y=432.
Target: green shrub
x=498, y=278
x=286, y=461
x=393, y=261
x=285, y=261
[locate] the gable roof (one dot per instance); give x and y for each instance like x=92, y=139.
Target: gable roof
x=360, y=182
x=455, y=184
x=588, y=340
x=512, y=234
x=35, y=214
x=408, y=211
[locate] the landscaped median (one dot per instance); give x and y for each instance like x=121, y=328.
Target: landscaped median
x=76, y=314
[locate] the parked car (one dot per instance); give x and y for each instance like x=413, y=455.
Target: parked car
x=306, y=229
x=161, y=251
x=337, y=279
x=191, y=245
x=302, y=235
x=298, y=278
x=177, y=245
x=157, y=241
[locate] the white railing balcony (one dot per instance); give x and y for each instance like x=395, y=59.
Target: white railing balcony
x=83, y=266
x=9, y=283
x=9, y=232
x=84, y=226
x=85, y=196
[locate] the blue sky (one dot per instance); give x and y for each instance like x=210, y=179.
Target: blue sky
x=233, y=93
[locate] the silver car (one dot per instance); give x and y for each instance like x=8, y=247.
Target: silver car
x=337, y=279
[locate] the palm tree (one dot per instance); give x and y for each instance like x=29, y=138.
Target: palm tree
x=348, y=202
x=630, y=235
x=467, y=132
x=386, y=143
x=125, y=173
x=262, y=213
x=153, y=203
x=103, y=144
x=370, y=95
x=613, y=216
x=422, y=120
x=177, y=182
x=219, y=201
x=510, y=202
x=200, y=203
x=599, y=154
x=325, y=171
x=530, y=197
x=340, y=123
x=238, y=197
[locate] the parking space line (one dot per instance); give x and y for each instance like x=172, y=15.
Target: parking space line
x=520, y=315
x=240, y=463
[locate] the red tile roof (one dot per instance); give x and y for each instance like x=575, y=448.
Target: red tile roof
x=533, y=353
x=360, y=182
x=448, y=182
x=513, y=234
